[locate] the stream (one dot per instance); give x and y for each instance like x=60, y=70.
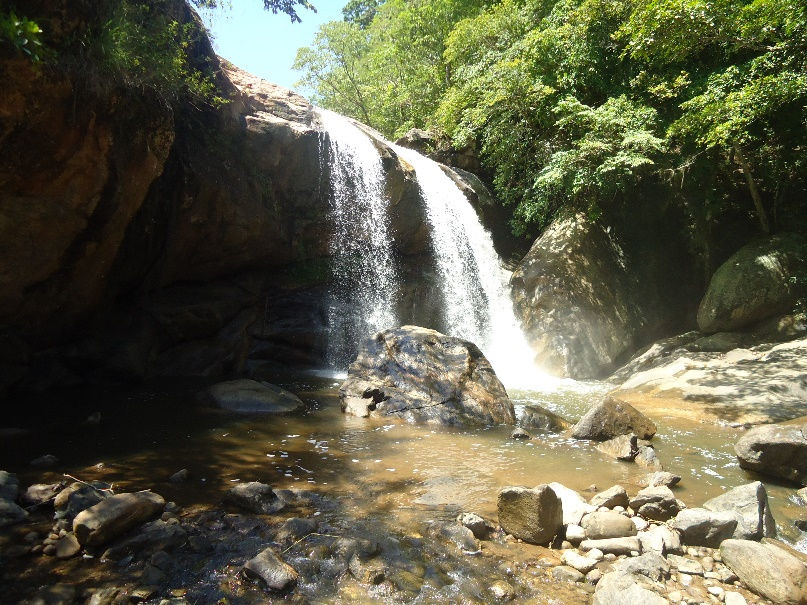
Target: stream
x=381, y=480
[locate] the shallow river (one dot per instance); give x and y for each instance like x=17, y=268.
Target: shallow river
x=401, y=476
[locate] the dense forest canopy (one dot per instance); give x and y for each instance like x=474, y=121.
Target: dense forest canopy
x=590, y=104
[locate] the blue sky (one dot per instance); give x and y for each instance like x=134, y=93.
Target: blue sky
x=263, y=43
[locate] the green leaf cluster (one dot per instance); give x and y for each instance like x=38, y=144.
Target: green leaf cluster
x=23, y=34
x=592, y=104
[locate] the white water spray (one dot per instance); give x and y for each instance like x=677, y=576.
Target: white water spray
x=363, y=300
x=475, y=289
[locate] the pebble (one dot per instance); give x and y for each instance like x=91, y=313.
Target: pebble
x=639, y=523
x=734, y=598
x=609, y=557
x=593, y=576
x=674, y=596
x=595, y=553
x=716, y=591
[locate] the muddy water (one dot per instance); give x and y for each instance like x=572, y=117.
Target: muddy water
x=387, y=478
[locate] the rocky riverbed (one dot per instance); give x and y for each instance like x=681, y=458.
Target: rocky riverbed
x=363, y=510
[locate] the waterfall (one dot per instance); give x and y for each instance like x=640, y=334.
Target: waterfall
x=362, y=298
x=475, y=289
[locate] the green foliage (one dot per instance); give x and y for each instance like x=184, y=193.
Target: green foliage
x=24, y=35
x=591, y=104
x=140, y=45
x=361, y=12
x=288, y=7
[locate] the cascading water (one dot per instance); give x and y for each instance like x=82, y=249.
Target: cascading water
x=476, y=296
x=362, y=299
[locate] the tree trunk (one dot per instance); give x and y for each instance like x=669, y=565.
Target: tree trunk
x=752, y=186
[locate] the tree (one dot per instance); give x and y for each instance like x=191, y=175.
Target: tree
x=361, y=12
x=289, y=7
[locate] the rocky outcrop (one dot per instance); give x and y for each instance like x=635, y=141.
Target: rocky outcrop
x=761, y=280
x=761, y=384
x=578, y=299
x=421, y=375
x=778, y=450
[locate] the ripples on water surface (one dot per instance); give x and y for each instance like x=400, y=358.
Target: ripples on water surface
x=401, y=476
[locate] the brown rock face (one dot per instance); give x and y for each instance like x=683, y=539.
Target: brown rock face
x=422, y=375
x=71, y=180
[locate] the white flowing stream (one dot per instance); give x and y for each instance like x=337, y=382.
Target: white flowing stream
x=363, y=300
x=473, y=284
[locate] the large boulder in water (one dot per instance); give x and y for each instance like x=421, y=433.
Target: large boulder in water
x=769, y=571
x=778, y=450
x=421, y=375
x=611, y=418
x=250, y=396
x=578, y=299
x=763, y=279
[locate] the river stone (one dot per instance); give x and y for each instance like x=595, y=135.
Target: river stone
x=519, y=433
x=367, y=571
x=579, y=562
x=564, y=573
x=270, y=569
x=575, y=534
x=778, y=450
x=536, y=417
x=621, y=588
x=616, y=546
x=656, y=503
x=762, y=279
x=661, y=478
x=607, y=524
x=255, y=497
x=647, y=456
x=252, y=397
x=574, y=507
x=295, y=528
x=613, y=496
x=462, y=537
x=686, y=565
x=802, y=495
x=77, y=497
x=533, y=515
x=9, y=486
x=670, y=540
x=767, y=570
x=40, y=493
x=624, y=448
x=11, y=513
x=651, y=565
x=115, y=515
x=421, y=375
x=67, y=546
x=750, y=505
x=702, y=527
x=480, y=527
x=611, y=418
x=153, y=536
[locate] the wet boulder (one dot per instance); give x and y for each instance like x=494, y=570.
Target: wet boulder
x=421, y=375
x=749, y=504
x=763, y=279
x=768, y=570
x=778, y=450
x=253, y=397
x=116, y=515
x=268, y=568
x=538, y=418
x=661, y=478
x=255, y=497
x=40, y=493
x=533, y=515
x=481, y=528
x=611, y=418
